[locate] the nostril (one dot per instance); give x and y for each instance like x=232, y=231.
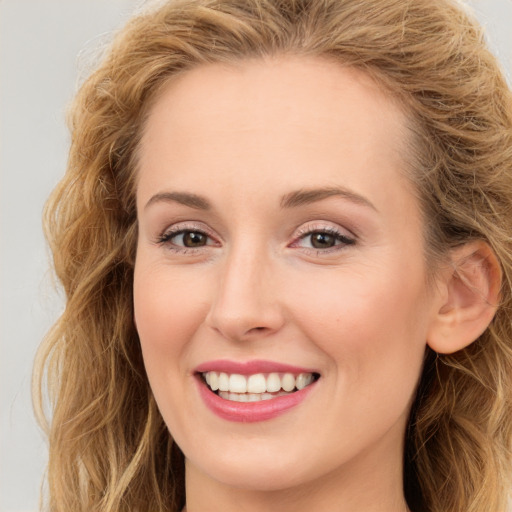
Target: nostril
x=256, y=329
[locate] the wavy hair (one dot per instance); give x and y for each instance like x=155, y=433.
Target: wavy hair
x=110, y=450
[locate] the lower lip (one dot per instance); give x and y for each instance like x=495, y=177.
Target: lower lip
x=250, y=412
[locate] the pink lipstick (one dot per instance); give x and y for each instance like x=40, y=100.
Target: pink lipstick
x=253, y=391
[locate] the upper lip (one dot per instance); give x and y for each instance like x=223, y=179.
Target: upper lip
x=250, y=367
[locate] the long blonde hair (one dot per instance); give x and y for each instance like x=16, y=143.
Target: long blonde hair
x=109, y=448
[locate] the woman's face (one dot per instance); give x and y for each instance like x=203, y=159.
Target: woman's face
x=279, y=237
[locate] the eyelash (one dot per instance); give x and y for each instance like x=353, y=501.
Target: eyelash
x=165, y=238
x=341, y=239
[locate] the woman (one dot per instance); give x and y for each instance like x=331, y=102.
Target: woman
x=284, y=236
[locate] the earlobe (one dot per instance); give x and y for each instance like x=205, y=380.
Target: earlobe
x=469, y=297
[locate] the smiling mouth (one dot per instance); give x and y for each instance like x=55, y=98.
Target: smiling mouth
x=256, y=387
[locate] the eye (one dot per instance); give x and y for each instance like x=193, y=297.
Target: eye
x=189, y=239
x=182, y=238
x=323, y=239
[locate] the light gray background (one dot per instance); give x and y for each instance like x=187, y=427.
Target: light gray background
x=45, y=46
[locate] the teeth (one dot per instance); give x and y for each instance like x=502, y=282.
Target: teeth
x=257, y=383
x=249, y=397
x=257, y=386
x=273, y=383
x=288, y=382
x=303, y=380
x=223, y=382
x=237, y=383
x=214, y=380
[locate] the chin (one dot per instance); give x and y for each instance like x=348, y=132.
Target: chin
x=257, y=471
x=257, y=479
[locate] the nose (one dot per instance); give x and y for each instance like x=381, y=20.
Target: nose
x=246, y=303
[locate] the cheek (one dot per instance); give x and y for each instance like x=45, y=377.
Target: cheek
x=371, y=325
x=168, y=310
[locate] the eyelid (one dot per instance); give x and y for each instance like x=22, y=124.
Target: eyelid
x=175, y=229
x=323, y=226
x=346, y=237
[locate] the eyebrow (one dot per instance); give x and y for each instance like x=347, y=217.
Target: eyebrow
x=190, y=200
x=291, y=200
x=308, y=196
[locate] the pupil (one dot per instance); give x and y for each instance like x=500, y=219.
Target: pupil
x=193, y=239
x=322, y=240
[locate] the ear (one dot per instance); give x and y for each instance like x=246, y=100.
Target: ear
x=469, y=292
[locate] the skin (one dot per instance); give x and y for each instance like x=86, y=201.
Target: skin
x=243, y=137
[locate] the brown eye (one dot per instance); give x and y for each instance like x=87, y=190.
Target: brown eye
x=321, y=240
x=185, y=239
x=193, y=239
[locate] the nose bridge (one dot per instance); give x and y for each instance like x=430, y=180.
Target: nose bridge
x=245, y=302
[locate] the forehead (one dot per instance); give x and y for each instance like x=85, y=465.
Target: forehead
x=290, y=85
x=296, y=117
